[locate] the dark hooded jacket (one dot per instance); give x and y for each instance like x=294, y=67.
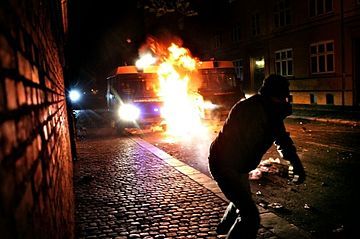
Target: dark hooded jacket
x=249, y=131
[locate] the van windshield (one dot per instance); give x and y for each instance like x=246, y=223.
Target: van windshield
x=132, y=87
x=218, y=80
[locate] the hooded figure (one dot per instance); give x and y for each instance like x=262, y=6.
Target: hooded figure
x=250, y=129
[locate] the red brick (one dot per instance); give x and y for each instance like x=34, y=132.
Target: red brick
x=28, y=95
x=38, y=177
x=24, y=208
x=2, y=97
x=38, y=96
x=34, y=96
x=21, y=169
x=44, y=114
x=35, y=149
x=29, y=155
x=39, y=143
x=53, y=124
x=21, y=128
x=7, y=59
x=32, y=52
x=21, y=93
x=45, y=132
x=50, y=147
x=49, y=177
x=8, y=131
x=51, y=210
x=2, y=153
x=49, y=97
x=35, y=75
x=49, y=127
x=7, y=189
x=24, y=66
x=48, y=83
x=41, y=95
x=21, y=39
x=41, y=202
x=50, y=109
x=10, y=94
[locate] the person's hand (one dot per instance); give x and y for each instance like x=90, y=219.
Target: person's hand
x=297, y=173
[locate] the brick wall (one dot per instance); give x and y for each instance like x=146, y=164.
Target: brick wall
x=36, y=191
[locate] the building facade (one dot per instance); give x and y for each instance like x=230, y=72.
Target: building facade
x=314, y=43
x=36, y=168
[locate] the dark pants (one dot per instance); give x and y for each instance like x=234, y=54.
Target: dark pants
x=236, y=188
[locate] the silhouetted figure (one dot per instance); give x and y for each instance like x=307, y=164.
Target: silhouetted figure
x=250, y=129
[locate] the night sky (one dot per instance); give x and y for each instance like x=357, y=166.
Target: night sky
x=104, y=34
x=98, y=36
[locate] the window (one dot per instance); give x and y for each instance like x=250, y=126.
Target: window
x=217, y=41
x=322, y=57
x=282, y=13
x=255, y=24
x=284, y=62
x=320, y=7
x=329, y=99
x=313, y=99
x=236, y=33
x=239, y=69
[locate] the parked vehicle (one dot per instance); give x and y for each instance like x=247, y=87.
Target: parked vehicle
x=220, y=85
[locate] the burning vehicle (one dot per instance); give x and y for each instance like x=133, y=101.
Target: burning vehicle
x=131, y=95
x=172, y=90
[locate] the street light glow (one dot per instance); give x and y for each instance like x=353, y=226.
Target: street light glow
x=260, y=63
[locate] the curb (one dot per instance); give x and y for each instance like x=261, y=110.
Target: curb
x=270, y=221
x=327, y=120
x=319, y=119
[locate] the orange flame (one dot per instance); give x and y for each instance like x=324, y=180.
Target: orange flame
x=183, y=106
x=178, y=80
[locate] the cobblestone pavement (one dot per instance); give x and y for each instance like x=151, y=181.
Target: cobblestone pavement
x=125, y=189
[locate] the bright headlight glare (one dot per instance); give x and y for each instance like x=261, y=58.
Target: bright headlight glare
x=129, y=112
x=74, y=95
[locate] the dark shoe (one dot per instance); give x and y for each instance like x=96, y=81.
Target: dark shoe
x=230, y=215
x=223, y=228
x=246, y=229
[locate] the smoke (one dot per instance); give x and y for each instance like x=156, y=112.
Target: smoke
x=158, y=45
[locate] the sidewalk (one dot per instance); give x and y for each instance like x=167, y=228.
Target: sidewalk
x=332, y=114
x=128, y=188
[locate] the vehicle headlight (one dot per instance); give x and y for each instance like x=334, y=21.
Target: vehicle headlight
x=74, y=95
x=129, y=112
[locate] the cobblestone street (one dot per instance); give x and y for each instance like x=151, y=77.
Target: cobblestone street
x=124, y=191
x=126, y=188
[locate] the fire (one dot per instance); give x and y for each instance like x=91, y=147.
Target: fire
x=145, y=60
x=183, y=107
